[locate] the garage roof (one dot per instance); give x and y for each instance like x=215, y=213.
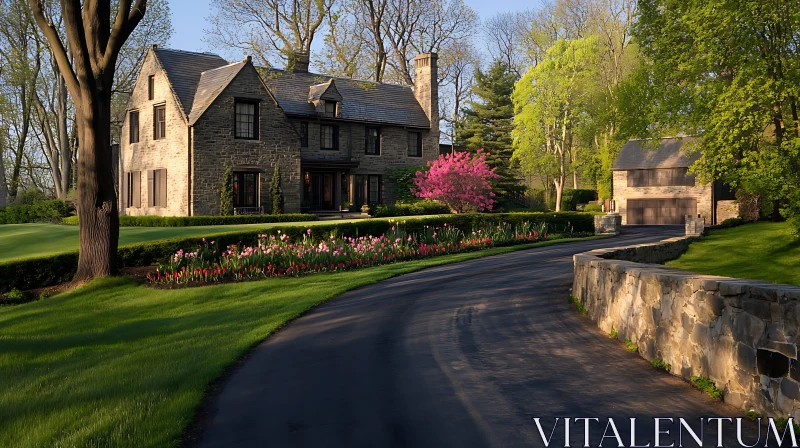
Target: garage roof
x=640, y=154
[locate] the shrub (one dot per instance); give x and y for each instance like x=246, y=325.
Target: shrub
x=707, y=386
x=46, y=271
x=403, y=179
x=226, y=193
x=48, y=210
x=581, y=309
x=189, y=221
x=570, y=198
x=415, y=208
x=613, y=334
x=659, y=364
x=732, y=222
x=630, y=346
x=593, y=208
x=461, y=180
x=275, y=192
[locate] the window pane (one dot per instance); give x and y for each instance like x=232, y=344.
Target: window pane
x=414, y=149
x=245, y=120
x=237, y=202
x=330, y=108
x=326, y=137
x=374, y=189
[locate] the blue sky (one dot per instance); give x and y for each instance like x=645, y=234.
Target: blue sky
x=189, y=18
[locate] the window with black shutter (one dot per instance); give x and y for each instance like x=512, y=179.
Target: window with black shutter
x=372, y=141
x=329, y=137
x=415, y=144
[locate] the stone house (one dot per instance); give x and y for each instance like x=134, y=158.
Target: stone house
x=653, y=186
x=335, y=140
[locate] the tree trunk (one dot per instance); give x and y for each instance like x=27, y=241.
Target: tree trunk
x=97, y=201
x=63, y=137
x=3, y=185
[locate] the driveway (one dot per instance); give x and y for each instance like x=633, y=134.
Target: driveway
x=462, y=355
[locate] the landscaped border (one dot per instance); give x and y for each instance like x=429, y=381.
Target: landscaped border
x=39, y=272
x=191, y=221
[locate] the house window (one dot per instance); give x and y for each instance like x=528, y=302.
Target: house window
x=664, y=177
x=372, y=141
x=245, y=189
x=151, y=87
x=157, y=186
x=246, y=120
x=367, y=189
x=415, y=144
x=133, y=123
x=159, y=122
x=330, y=108
x=329, y=137
x=134, y=197
x=303, y=134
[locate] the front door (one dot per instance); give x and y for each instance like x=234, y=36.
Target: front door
x=319, y=191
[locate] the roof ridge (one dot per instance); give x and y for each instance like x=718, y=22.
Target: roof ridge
x=223, y=66
x=201, y=53
x=381, y=83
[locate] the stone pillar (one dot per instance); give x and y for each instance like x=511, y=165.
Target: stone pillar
x=608, y=224
x=695, y=225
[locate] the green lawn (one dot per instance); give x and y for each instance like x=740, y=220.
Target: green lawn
x=29, y=240
x=763, y=251
x=119, y=364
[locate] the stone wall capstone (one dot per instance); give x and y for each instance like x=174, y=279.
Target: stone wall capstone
x=741, y=334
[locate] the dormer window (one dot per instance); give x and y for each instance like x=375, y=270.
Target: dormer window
x=330, y=109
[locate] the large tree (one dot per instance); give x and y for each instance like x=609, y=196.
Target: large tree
x=94, y=42
x=728, y=72
x=488, y=121
x=550, y=104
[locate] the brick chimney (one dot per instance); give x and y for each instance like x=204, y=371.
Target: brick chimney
x=298, y=62
x=426, y=87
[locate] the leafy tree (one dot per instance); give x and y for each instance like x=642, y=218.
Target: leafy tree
x=226, y=193
x=728, y=72
x=550, y=102
x=488, y=121
x=462, y=180
x=88, y=68
x=403, y=179
x=275, y=192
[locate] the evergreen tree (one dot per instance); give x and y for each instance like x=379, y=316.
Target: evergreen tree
x=226, y=193
x=488, y=121
x=275, y=192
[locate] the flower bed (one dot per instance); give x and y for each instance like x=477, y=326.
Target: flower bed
x=277, y=255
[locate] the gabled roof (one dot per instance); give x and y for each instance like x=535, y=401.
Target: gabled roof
x=640, y=155
x=361, y=100
x=183, y=70
x=211, y=84
x=325, y=91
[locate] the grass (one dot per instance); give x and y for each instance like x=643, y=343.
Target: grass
x=27, y=240
x=659, y=364
x=115, y=363
x=762, y=251
x=752, y=415
x=581, y=309
x=707, y=386
x=630, y=346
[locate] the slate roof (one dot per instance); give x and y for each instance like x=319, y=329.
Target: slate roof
x=183, y=69
x=361, y=100
x=636, y=156
x=197, y=79
x=211, y=84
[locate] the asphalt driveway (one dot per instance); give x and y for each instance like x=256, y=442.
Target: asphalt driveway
x=462, y=355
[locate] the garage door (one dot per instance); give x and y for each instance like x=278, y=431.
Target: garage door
x=660, y=211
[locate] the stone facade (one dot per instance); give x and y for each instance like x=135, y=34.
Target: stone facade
x=742, y=334
x=622, y=193
x=214, y=147
x=200, y=143
x=609, y=224
x=170, y=153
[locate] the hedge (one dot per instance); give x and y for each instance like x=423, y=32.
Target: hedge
x=46, y=271
x=190, y=221
x=48, y=210
x=572, y=198
x=411, y=209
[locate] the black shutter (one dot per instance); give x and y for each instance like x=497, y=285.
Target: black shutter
x=419, y=144
x=336, y=138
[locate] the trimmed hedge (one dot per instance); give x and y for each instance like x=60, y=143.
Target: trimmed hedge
x=190, y=221
x=572, y=198
x=46, y=271
x=49, y=210
x=410, y=209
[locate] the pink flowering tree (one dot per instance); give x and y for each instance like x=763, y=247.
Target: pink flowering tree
x=460, y=179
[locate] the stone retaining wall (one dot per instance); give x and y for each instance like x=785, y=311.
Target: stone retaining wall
x=742, y=334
